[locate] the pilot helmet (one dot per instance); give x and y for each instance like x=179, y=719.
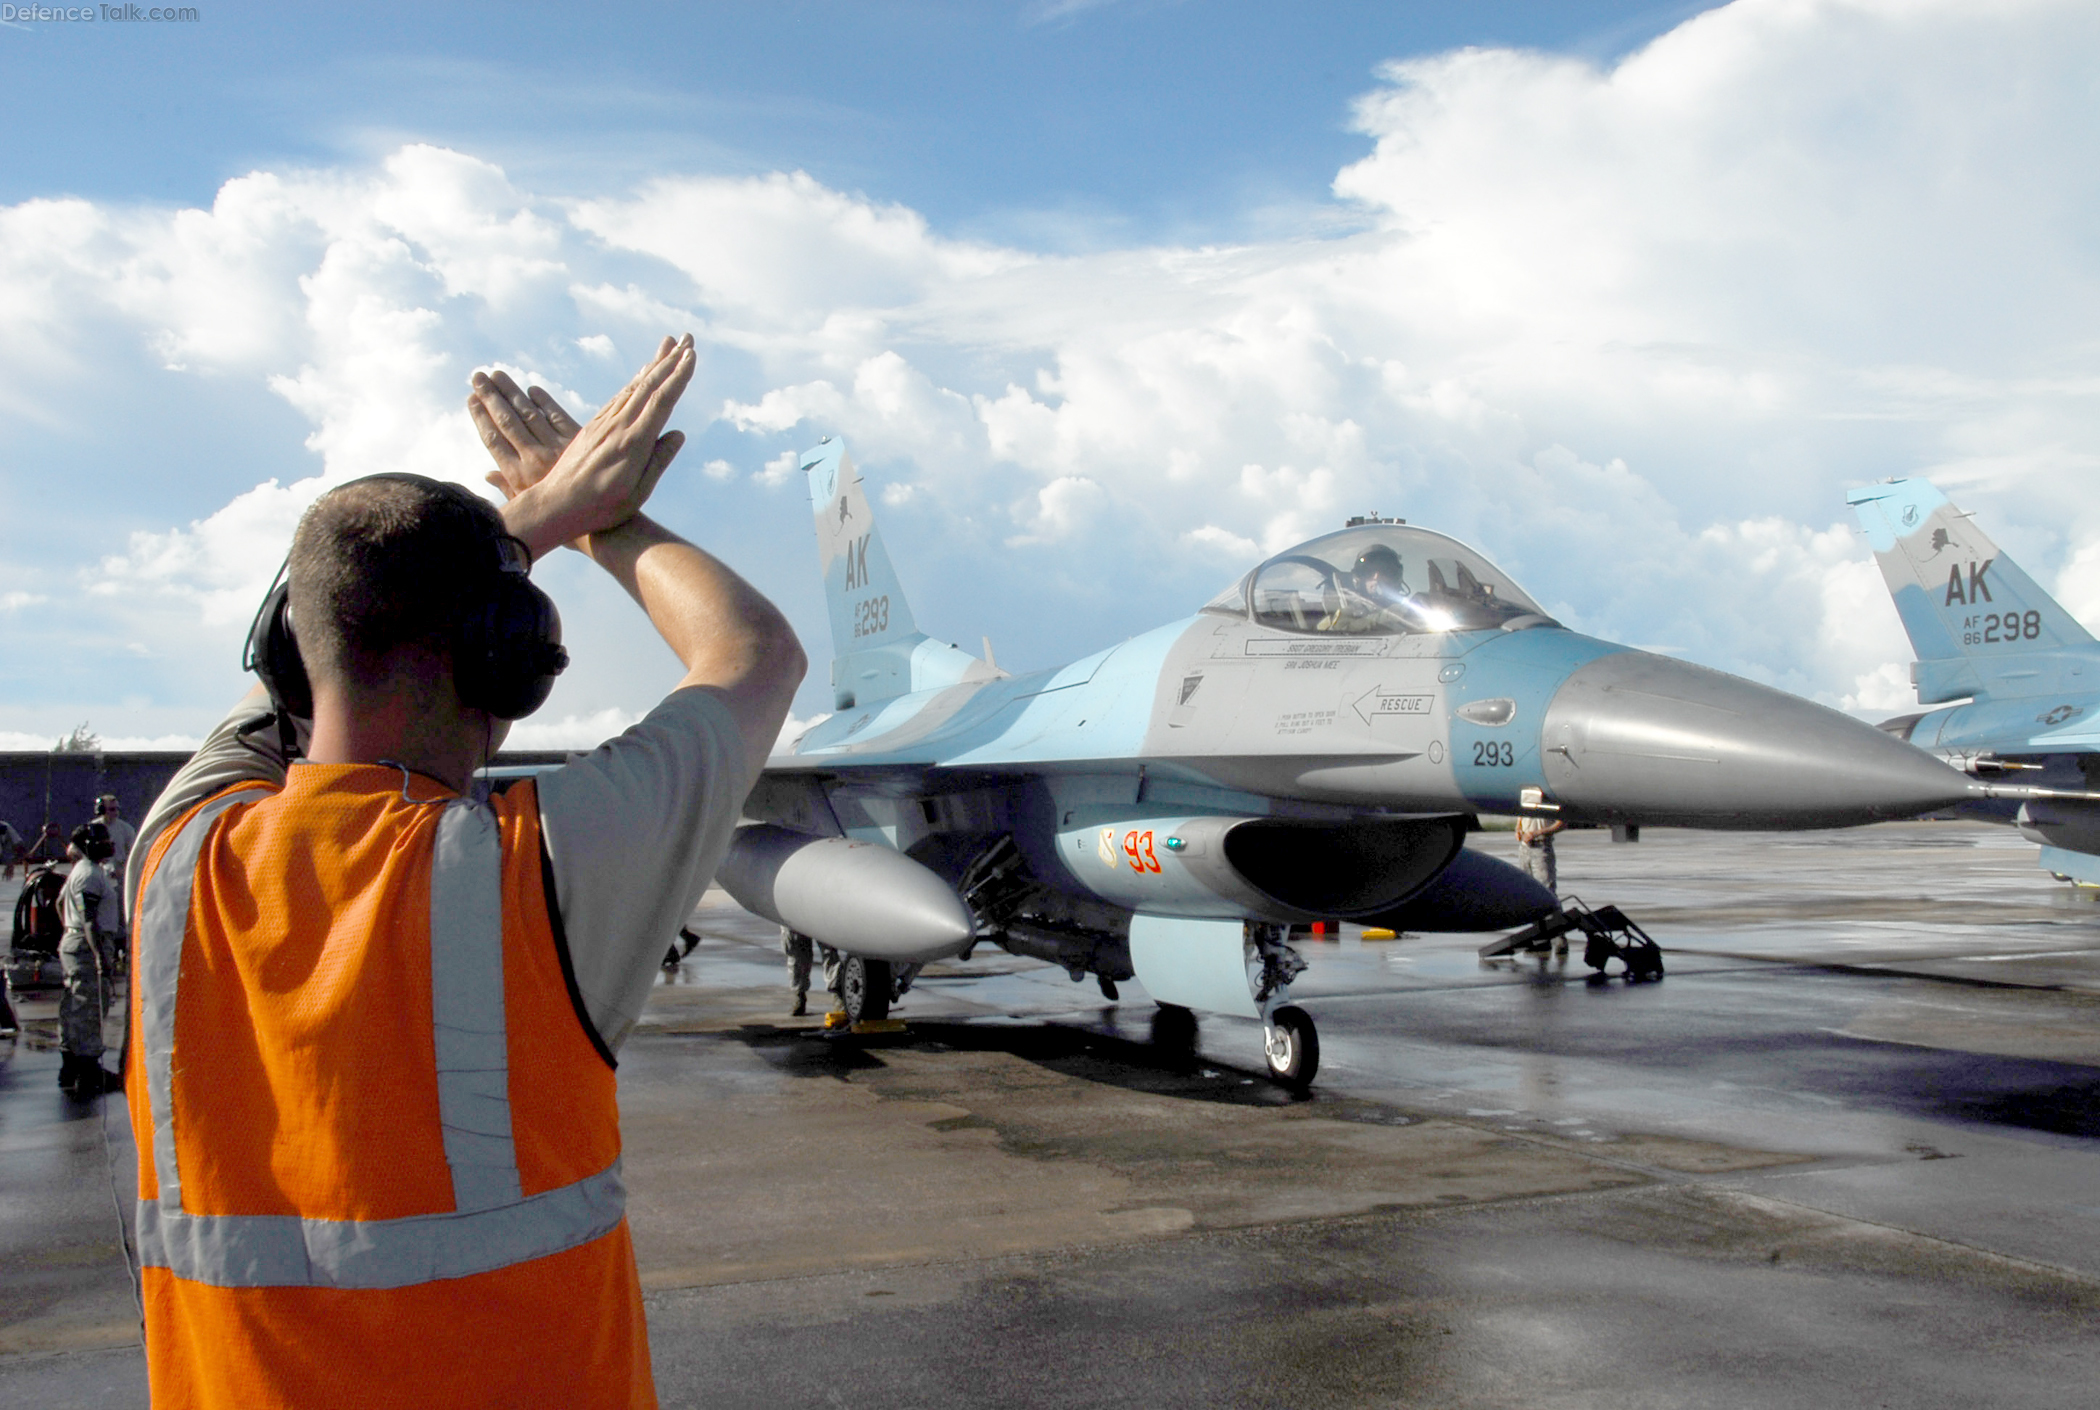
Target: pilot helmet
x=1380, y=561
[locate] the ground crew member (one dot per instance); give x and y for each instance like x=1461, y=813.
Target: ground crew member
x=1535, y=843
x=801, y=954
x=384, y=1168
x=10, y=853
x=86, y=959
x=121, y=834
x=50, y=845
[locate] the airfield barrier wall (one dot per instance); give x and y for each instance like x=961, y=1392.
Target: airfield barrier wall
x=62, y=787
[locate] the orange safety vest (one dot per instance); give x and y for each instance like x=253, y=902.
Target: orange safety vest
x=379, y=1152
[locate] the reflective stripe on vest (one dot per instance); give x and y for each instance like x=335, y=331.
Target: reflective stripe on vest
x=466, y=989
x=492, y=1224
x=164, y=920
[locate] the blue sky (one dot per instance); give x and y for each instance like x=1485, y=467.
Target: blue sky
x=1040, y=123
x=1109, y=300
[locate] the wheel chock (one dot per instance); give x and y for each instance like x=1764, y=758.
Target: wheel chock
x=836, y=1019
x=878, y=1025
x=1379, y=932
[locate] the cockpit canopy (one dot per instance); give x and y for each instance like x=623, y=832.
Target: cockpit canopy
x=1380, y=580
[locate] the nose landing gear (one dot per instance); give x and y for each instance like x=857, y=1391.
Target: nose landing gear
x=1292, y=1046
x=1290, y=1042
x=864, y=989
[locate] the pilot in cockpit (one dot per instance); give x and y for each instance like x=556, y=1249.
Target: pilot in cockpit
x=1372, y=596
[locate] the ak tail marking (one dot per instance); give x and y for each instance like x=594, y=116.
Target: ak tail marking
x=1975, y=619
x=878, y=651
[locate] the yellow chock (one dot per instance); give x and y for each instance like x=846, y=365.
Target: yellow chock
x=1379, y=932
x=879, y=1025
x=835, y=1019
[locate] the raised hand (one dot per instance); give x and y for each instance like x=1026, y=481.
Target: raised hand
x=605, y=472
x=525, y=432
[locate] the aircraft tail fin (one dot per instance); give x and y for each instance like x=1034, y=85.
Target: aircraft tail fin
x=878, y=652
x=1967, y=607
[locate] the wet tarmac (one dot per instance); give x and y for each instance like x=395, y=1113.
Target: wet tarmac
x=1848, y=1152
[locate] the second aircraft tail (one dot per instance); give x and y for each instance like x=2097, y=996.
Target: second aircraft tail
x=1970, y=610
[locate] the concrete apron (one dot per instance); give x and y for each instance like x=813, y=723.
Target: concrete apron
x=759, y=1150
x=1043, y=1209
x=967, y=1141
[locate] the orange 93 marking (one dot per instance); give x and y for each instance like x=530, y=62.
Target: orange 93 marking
x=1138, y=847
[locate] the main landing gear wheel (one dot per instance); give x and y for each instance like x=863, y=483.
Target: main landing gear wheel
x=1293, y=1047
x=865, y=987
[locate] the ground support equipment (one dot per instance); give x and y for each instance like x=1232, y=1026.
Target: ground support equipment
x=1608, y=934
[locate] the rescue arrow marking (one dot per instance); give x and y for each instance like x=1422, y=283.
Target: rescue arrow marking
x=1377, y=702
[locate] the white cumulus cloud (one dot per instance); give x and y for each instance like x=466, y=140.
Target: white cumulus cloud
x=1632, y=330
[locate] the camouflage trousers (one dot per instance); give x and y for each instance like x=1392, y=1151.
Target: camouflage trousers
x=80, y=1001
x=802, y=953
x=1540, y=864
x=800, y=950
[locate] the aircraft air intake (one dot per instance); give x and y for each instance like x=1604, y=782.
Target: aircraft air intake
x=1340, y=869
x=1276, y=869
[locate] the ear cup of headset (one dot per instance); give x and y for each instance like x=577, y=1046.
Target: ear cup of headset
x=273, y=654
x=509, y=650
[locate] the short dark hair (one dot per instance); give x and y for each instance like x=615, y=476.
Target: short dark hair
x=383, y=563
x=93, y=841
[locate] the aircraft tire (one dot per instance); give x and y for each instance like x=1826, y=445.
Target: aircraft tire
x=865, y=987
x=1294, y=1055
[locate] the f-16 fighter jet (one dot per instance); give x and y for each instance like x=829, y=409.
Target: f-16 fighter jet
x=2017, y=676
x=1312, y=744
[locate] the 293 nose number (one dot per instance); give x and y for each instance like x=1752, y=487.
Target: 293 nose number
x=1494, y=754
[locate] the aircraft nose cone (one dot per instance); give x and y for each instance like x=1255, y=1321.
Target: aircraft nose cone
x=1635, y=737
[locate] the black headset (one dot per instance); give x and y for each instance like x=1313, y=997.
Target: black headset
x=505, y=635
x=93, y=841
